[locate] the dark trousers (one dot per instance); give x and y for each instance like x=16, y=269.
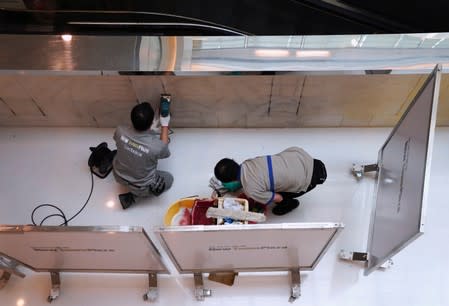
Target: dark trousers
x=319, y=176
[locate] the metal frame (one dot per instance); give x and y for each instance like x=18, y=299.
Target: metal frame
x=295, y=279
x=361, y=257
x=8, y=267
x=200, y=292
x=437, y=74
x=153, y=293
x=318, y=226
x=359, y=170
x=225, y=72
x=55, y=286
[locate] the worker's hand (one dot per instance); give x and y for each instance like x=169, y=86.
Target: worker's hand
x=164, y=120
x=277, y=198
x=155, y=125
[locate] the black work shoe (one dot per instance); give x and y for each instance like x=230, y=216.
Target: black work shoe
x=285, y=207
x=126, y=199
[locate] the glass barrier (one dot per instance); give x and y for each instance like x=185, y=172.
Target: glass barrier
x=256, y=247
x=403, y=177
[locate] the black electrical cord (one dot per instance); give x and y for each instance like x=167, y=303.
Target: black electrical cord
x=61, y=213
x=170, y=132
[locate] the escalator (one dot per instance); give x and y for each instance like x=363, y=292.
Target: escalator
x=219, y=18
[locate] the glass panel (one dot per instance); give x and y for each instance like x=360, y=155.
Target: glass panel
x=247, y=247
x=442, y=43
x=78, y=248
x=217, y=42
x=404, y=163
x=268, y=41
x=409, y=41
x=381, y=41
x=336, y=41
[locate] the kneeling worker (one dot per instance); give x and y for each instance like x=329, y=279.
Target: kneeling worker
x=278, y=178
x=138, y=151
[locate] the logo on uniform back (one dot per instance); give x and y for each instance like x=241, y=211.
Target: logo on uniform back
x=133, y=146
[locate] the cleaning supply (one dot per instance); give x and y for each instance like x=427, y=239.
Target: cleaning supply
x=183, y=217
x=199, y=212
x=231, y=214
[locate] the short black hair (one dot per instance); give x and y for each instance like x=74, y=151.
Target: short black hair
x=227, y=170
x=142, y=116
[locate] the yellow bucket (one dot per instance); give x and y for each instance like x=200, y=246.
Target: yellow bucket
x=175, y=207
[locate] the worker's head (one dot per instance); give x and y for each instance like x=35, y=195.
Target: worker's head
x=228, y=172
x=142, y=116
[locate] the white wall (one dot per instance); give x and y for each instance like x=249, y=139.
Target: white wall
x=40, y=165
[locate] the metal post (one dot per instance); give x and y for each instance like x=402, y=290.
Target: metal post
x=295, y=285
x=8, y=267
x=353, y=256
x=362, y=257
x=55, y=286
x=370, y=168
x=4, y=278
x=200, y=292
x=152, y=294
x=359, y=170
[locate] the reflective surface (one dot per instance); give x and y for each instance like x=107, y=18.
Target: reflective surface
x=403, y=179
x=248, y=247
x=27, y=154
x=183, y=55
x=92, y=249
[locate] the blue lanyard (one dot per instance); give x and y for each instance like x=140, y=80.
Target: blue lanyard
x=270, y=173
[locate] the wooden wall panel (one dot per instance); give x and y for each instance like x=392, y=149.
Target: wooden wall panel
x=149, y=88
x=16, y=98
x=354, y=100
x=283, y=104
x=6, y=111
x=108, y=101
x=194, y=101
x=215, y=101
x=54, y=97
x=242, y=100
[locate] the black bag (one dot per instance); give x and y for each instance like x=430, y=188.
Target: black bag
x=100, y=160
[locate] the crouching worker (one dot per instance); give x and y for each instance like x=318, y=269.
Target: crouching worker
x=138, y=150
x=278, y=178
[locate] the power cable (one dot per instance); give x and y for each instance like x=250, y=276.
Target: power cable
x=61, y=214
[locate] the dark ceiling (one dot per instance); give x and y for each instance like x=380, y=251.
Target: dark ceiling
x=212, y=17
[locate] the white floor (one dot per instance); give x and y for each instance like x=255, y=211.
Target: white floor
x=50, y=166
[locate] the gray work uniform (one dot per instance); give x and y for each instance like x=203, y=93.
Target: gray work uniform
x=135, y=164
x=288, y=171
